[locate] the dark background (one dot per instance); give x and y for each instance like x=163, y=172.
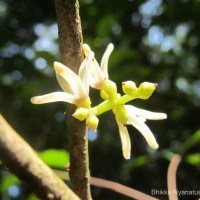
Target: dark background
x=155, y=41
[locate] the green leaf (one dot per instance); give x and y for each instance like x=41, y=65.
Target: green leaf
x=55, y=158
x=192, y=140
x=193, y=159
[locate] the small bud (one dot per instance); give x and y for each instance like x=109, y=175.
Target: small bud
x=146, y=89
x=81, y=113
x=129, y=88
x=121, y=114
x=92, y=122
x=110, y=88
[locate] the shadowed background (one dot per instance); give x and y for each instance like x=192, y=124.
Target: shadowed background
x=155, y=40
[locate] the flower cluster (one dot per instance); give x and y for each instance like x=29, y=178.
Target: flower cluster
x=91, y=74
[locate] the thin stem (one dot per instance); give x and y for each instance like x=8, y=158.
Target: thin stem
x=171, y=177
x=110, y=104
x=70, y=37
x=132, y=193
x=110, y=185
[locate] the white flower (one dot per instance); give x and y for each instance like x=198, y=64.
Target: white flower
x=98, y=73
x=75, y=87
x=137, y=118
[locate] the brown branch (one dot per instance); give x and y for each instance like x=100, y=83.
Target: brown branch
x=22, y=161
x=171, y=177
x=70, y=38
x=70, y=32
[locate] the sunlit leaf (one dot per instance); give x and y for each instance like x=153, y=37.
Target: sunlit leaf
x=55, y=158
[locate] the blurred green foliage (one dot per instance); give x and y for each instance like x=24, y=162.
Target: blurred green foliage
x=48, y=156
x=154, y=40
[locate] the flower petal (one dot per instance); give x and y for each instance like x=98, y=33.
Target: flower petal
x=53, y=97
x=83, y=70
x=104, y=61
x=143, y=128
x=72, y=79
x=145, y=113
x=96, y=76
x=86, y=49
x=64, y=84
x=125, y=140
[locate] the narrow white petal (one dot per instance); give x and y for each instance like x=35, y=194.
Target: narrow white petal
x=92, y=82
x=73, y=79
x=104, y=61
x=143, y=128
x=83, y=74
x=86, y=49
x=96, y=74
x=125, y=140
x=145, y=113
x=64, y=84
x=83, y=70
x=53, y=97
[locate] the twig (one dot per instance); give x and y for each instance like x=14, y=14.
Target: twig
x=135, y=194
x=110, y=185
x=171, y=177
x=22, y=161
x=70, y=38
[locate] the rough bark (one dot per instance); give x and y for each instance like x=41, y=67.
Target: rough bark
x=21, y=160
x=70, y=39
x=70, y=33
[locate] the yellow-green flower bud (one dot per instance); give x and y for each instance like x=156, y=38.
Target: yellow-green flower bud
x=81, y=113
x=104, y=95
x=92, y=122
x=121, y=114
x=110, y=88
x=146, y=89
x=129, y=88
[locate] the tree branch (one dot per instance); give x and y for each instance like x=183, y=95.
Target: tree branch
x=70, y=38
x=70, y=33
x=22, y=161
